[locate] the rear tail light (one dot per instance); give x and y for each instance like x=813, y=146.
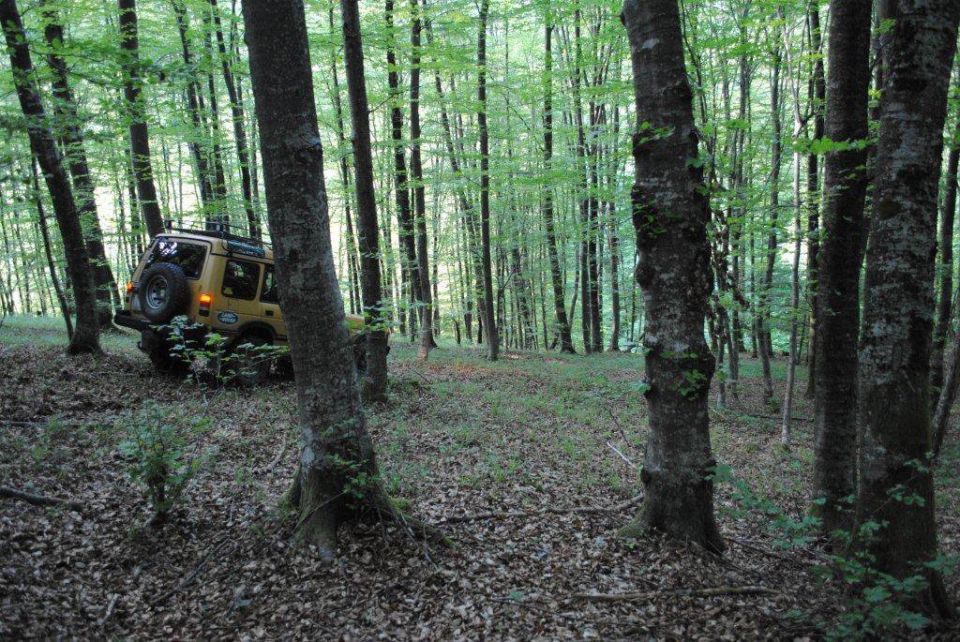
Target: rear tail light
x=205, y=300
x=129, y=287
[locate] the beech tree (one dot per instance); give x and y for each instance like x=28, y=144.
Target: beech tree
x=838, y=307
x=670, y=216
x=375, y=377
x=896, y=485
x=338, y=478
x=86, y=334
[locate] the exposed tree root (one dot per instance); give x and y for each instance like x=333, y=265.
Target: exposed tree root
x=39, y=500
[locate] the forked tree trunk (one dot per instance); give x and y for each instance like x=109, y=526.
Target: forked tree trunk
x=86, y=335
x=845, y=185
x=374, y=308
x=670, y=215
x=65, y=108
x=894, y=402
x=136, y=113
x=338, y=478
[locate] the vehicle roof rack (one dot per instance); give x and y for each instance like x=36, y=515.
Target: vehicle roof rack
x=221, y=230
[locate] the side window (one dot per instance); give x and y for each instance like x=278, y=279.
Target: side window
x=240, y=280
x=189, y=256
x=269, y=293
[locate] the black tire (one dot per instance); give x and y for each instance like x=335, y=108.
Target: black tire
x=248, y=366
x=163, y=292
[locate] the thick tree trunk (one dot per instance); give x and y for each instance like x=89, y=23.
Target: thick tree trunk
x=65, y=109
x=670, y=215
x=139, y=136
x=338, y=478
x=489, y=321
x=86, y=335
x=894, y=403
x=845, y=184
x=375, y=377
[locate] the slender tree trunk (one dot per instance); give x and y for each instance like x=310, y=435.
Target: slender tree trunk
x=136, y=113
x=489, y=321
x=48, y=252
x=419, y=193
x=818, y=97
x=894, y=403
x=375, y=377
x=556, y=278
x=86, y=336
x=845, y=184
x=945, y=268
x=670, y=214
x=338, y=479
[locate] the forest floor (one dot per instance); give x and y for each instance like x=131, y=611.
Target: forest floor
x=461, y=436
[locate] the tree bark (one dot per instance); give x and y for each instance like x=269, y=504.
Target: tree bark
x=338, y=477
x=489, y=321
x=838, y=313
x=945, y=268
x=47, y=250
x=670, y=215
x=139, y=135
x=65, y=109
x=86, y=335
x=556, y=277
x=894, y=401
x=419, y=193
x=818, y=97
x=375, y=377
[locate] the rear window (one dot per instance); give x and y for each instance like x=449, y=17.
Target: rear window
x=189, y=256
x=269, y=292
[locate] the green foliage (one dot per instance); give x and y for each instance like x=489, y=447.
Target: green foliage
x=877, y=604
x=156, y=447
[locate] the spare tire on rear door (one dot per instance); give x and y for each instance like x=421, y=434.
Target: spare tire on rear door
x=164, y=292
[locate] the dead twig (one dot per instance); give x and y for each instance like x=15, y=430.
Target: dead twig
x=621, y=455
x=39, y=500
x=650, y=595
x=460, y=519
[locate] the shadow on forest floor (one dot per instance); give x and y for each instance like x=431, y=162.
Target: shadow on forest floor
x=460, y=436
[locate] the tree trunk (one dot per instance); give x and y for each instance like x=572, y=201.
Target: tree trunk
x=845, y=184
x=818, y=97
x=556, y=278
x=489, y=321
x=86, y=335
x=670, y=215
x=65, y=109
x=48, y=252
x=139, y=136
x=945, y=268
x=338, y=478
x=375, y=377
x=894, y=402
x=419, y=193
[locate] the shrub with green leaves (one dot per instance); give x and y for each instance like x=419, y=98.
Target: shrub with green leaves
x=157, y=444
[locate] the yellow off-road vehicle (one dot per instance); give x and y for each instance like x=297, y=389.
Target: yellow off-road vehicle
x=191, y=283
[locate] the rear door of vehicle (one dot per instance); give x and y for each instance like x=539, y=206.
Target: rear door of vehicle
x=270, y=303
x=239, y=290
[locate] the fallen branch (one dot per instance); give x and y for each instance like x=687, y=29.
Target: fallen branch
x=649, y=595
x=38, y=500
x=749, y=414
x=546, y=511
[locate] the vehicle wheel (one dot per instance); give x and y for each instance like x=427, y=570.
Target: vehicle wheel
x=164, y=292
x=163, y=358
x=250, y=366
x=360, y=354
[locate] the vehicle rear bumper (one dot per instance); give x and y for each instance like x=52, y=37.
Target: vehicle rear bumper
x=125, y=319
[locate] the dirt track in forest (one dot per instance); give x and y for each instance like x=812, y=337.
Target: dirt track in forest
x=460, y=437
